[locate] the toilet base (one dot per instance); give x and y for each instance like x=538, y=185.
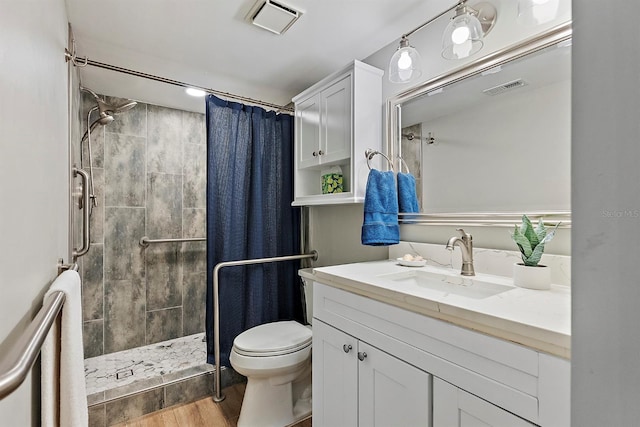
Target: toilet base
x=269, y=405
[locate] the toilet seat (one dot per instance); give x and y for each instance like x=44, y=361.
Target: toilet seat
x=273, y=339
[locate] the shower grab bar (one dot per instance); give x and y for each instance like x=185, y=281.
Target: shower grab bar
x=219, y=397
x=86, y=214
x=145, y=241
x=15, y=367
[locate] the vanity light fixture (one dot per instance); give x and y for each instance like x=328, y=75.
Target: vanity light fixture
x=463, y=37
x=465, y=33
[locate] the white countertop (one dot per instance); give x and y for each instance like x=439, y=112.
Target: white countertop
x=537, y=319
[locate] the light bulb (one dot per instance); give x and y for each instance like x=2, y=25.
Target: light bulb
x=460, y=35
x=195, y=92
x=462, y=50
x=404, y=62
x=539, y=1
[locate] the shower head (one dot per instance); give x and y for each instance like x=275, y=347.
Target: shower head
x=106, y=109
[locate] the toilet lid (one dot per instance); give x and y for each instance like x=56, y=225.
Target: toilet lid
x=273, y=338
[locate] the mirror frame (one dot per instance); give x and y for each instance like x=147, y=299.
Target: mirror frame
x=393, y=119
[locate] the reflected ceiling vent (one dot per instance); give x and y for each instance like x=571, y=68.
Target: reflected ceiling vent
x=497, y=90
x=273, y=16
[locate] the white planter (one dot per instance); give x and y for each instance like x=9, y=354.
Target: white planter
x=538, y=277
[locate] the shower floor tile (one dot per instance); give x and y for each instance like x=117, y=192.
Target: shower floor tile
x=161, y=362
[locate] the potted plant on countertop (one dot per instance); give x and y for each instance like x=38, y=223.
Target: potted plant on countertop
x=529, y=273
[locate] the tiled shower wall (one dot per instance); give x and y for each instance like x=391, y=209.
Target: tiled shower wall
x=149, y=168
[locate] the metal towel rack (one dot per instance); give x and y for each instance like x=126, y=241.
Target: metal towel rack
x=146, y=241
x=369, y=154
x=15, y=367
x=219, y=397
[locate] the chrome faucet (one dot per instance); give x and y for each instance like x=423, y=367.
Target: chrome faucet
x=466, y=247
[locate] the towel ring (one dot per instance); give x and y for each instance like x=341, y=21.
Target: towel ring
x=402, y=162
x=369, y=154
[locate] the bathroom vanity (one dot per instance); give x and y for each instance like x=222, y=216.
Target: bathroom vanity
x=404, y=346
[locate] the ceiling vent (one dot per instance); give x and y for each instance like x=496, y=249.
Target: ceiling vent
x=496, y=90
x=273, y=16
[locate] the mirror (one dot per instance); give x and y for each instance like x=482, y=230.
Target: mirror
x=492, y=140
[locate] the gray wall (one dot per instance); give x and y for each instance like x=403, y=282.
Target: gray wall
x=34, y=174
x=606, y=210
x=150, y=176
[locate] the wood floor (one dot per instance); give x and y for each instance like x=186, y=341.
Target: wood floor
x=202, y=413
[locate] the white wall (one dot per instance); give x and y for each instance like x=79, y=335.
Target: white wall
x=33, y=173
x=606, y=222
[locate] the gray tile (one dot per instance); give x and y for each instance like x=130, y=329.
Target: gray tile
x=194, y=257
x=163, y=276
x=124, y=165
x=92, y=337
x=135, y=406
x=187, y=373
x=194, y=222
x=97, y=145
x=164, y=206
x=228, y=377
x=95, y=398
x=133, y=388
x=124, y=315
x=164, y=325
x=92, y=283
x=164, y=140
x=195, y=176
x=189, y=390
x=195, y=293
x=123, y=256
x=97, y=416
x=130, y=122
x=193, y=128
x=96, y=221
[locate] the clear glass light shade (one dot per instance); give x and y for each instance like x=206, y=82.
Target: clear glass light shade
x=462, y=37
x=536, y=12
x=405, y=65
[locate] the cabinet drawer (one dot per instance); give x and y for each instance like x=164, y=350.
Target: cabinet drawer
x=499, y=371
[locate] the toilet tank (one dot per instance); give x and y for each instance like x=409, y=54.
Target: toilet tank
x=307, y=286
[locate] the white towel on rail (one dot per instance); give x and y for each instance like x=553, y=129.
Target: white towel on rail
x=64, y=393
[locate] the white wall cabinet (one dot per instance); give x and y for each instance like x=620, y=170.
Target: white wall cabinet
x=336, y=120
x=356, y=384
x=476, y=379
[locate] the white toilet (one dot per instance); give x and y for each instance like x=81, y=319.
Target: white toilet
x=276, y=359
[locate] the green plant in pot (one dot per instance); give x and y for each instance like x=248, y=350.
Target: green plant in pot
x=531, y=241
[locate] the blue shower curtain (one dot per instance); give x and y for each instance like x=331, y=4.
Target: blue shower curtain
x=249, y=215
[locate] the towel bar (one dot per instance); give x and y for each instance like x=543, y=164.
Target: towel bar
x=369, y=154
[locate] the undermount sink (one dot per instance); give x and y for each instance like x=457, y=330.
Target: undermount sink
x=469, y=287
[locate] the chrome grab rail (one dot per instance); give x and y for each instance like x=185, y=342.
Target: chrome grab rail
x=17, y=363
x=86, y=200
x=145, y=241
x=219, y=397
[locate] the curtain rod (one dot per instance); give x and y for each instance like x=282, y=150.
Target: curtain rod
x=81, y=62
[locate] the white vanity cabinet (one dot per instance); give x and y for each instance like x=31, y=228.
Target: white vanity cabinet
x=336, y=120
x=454, y=407
x=357, y=384
x=416, y=362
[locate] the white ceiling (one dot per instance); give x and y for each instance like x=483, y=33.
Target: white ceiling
x=209, y=43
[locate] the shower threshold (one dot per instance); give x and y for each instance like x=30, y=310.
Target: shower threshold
x=129, y=384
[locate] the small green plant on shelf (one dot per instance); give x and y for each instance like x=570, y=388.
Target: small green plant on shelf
x=531, y=240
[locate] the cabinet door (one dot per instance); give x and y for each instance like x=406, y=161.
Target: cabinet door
x=454, y=407
x=336, y=122
x=391, y=392
x=335, y=377
x=308, y=131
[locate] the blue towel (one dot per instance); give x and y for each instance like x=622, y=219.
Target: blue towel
x=380, y=226
x=407, y=198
